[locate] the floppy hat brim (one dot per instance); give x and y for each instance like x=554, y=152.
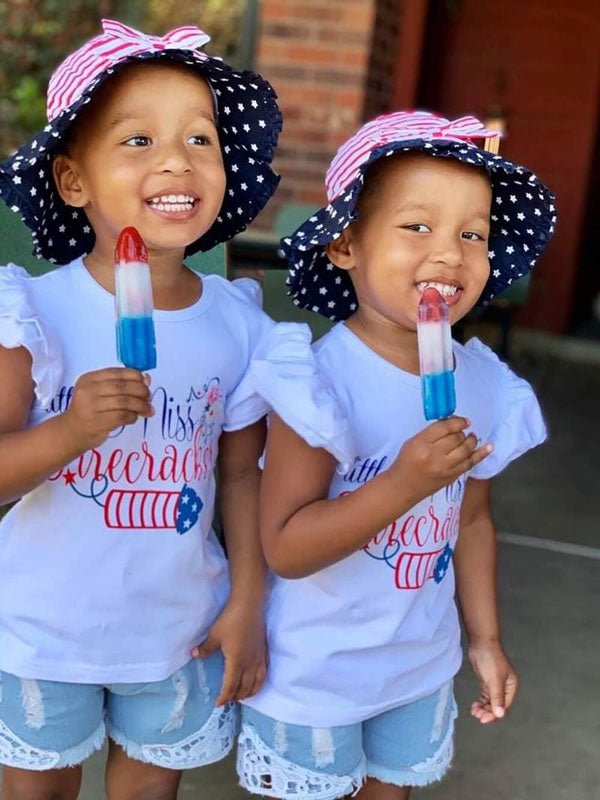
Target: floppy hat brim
x=522, y=221
x=249, y=123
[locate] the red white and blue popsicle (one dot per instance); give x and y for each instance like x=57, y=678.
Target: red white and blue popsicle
x=435, y=356
x=136, y=342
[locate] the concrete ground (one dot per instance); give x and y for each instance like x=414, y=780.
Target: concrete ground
x=548, y=748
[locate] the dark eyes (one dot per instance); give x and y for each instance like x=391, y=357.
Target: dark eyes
x=138, y=141
x=473, y=237
x=419, y=227
x=201, y=139
x=145, y=141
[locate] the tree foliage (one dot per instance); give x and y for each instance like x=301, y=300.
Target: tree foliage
x=35, y=35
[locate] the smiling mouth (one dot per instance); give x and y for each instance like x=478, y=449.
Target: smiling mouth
x=447, y=290
x=173, y=203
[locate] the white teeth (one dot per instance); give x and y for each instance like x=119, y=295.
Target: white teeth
x=444, y=289
x=173, y=206
x=172, y=198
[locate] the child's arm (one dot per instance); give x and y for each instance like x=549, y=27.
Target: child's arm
x=101, y=402
x=475, y=570
x=239, y=631
x=302, y=531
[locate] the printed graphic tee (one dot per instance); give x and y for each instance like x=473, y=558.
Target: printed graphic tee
x=110, y=571
x=380, y=629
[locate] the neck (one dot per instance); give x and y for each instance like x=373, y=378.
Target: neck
x=174, y=286
x=390, y=340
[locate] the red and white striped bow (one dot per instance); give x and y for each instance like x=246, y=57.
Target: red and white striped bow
x=397, y=127
x=188, y=37
x=117, y=43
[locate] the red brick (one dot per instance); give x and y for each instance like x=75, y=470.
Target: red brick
x=317, y=53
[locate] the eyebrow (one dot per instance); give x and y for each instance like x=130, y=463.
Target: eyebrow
x=428, y=207
x=415, y=207
x=128, y=116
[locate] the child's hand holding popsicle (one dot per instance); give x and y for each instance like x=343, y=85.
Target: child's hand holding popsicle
x=442, y=452
x=108, y=398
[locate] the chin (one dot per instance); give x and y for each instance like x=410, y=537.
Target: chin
x=171, y=239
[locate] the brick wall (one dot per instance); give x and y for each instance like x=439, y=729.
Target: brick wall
x=380, y=84
x=318, y=56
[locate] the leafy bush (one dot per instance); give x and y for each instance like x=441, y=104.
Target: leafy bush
x=35, y=35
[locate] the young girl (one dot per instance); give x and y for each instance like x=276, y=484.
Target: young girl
x=110, y=572
x=363, y=629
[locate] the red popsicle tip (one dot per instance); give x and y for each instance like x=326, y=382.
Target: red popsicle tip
x=130, y=247
x=432, y=306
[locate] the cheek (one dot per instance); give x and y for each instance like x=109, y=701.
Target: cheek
x=482, y=271
x=214, y=182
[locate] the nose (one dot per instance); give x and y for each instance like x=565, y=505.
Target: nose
x=447, y=250
x=174, y=159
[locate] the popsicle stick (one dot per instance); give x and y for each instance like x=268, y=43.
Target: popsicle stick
x=492, y=145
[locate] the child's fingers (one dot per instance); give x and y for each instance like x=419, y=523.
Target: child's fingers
x=497, y=698
x=205, y=649
x=259, y=679
x=510, y=690
x=116, y=374
x=118, y=386
x=482, y=714
x=463, y=448
x=480, y=454
x=467, y=458
x=441, y=428
x=246, y=683
x=452, y=442
x=123, y=403
x=229, y=687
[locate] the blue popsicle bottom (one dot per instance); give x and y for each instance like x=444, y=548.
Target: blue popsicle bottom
x=136, y=344
x=439, y=397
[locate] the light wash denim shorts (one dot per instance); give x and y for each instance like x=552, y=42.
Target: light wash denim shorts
x=171, y=723
x=411, y=745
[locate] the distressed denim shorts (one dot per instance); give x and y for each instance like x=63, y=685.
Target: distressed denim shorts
x=171, y=723
x=407, y=746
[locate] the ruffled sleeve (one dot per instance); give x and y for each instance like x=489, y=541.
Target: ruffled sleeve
x=21, y=326
x=518, y=424
x=251, y=288
x=285, y=373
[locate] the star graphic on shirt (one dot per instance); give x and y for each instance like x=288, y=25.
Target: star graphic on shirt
x=188, y=509
x=69, y=477
x=443, y=562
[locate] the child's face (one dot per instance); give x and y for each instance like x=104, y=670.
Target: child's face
x=147, y=154
x=426, y=221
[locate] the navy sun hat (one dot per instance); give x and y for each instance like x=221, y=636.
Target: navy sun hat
x=522, y=216
x=248, y=121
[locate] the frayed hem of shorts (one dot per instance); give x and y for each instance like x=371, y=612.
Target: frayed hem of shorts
x=432, y=770
x=255, y=760
x=407, y=777
x=77, y=755
x=212, y=743
x=51, y=759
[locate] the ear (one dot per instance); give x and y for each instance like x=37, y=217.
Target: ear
x=69, y=182
x=340, y=250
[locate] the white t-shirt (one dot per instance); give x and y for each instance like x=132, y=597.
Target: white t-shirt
x=380, y=628
x=110, y=570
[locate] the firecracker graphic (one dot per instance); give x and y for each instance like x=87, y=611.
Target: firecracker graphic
x=145, y=509
x=412, y=570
